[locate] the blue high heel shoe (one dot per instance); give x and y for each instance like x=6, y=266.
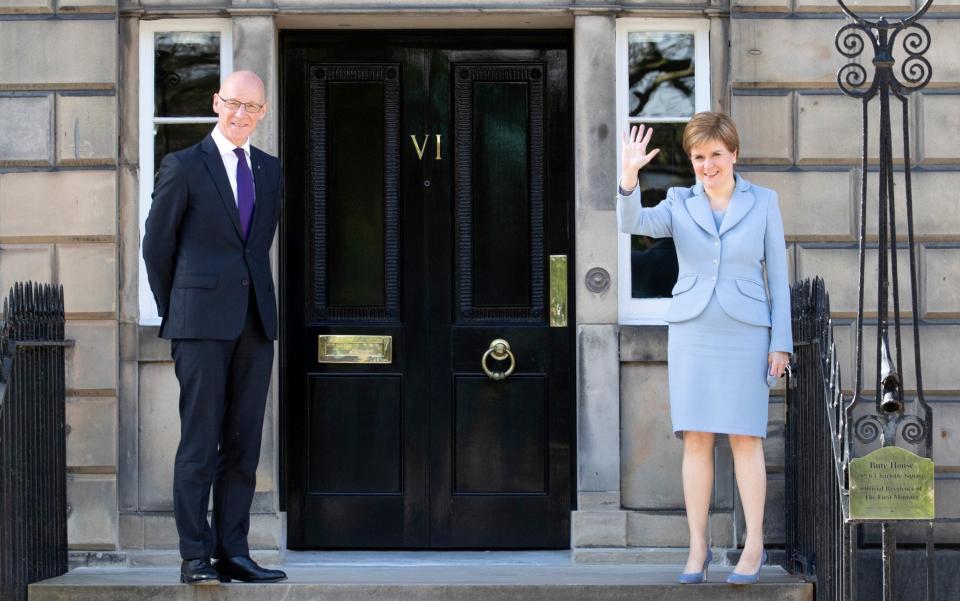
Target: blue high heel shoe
x=697, y=577
x=754, y=578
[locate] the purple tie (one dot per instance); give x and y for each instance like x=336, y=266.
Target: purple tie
x=244, y=191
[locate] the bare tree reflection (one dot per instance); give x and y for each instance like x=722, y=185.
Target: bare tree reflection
x=661, y=74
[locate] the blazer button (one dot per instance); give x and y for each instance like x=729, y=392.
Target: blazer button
x=245, y=282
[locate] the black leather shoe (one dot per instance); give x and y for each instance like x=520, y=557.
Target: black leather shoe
x=198, y=571
x=244, y=569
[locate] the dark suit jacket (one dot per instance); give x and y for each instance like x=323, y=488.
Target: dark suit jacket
x=199, y=267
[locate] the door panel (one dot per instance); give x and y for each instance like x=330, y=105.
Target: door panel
x=505, y=121
x=427, y=182
x=354, y=432
x=499, y=439
x=499, y=190
x=501, y=201
x=353, y=149
x=356, y=200
x=341, y=461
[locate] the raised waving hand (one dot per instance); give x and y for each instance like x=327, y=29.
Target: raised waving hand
x=634, y=155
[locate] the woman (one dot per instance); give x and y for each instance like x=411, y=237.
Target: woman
x=727, y=341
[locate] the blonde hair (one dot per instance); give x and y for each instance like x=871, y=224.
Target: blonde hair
x=708, y=125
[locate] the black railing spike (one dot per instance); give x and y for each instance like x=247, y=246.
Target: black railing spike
x=20, y=310
x=30, y=311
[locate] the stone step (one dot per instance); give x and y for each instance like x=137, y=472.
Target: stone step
x=661, y=556
x=480, y=582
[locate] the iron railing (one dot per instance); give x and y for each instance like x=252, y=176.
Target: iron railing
x=33, y=514
x=822, y=541
x=819, y=491
x=814, y=404
x=892, y=420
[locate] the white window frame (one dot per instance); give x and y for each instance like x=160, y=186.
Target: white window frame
x=651, y=311
x=148, y=29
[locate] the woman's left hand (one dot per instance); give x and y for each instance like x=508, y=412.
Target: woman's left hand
x=778, y=363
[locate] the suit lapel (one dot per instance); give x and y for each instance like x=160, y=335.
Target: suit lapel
x=214, y=165
x=740, y=204
x=699, y=208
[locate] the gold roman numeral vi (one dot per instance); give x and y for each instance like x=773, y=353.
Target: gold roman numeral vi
x=421, y=149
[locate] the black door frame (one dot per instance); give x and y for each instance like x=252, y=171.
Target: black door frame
x=460, y=39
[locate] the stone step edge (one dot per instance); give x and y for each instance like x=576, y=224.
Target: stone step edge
x=152, y=558
x=666, y=556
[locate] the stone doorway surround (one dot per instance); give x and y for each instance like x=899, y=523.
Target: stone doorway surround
x=148, y=433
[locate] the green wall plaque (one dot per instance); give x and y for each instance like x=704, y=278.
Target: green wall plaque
x=891, y=484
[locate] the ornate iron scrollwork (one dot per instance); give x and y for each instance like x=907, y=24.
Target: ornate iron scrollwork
x=887, y=38
x=853, y=76
x=916, y=70
x=868, y=428
x=912, y=429
x=882, y=35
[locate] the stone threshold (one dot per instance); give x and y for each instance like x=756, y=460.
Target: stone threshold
x=660, y=556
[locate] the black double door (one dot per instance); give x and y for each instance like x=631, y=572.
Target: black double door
x=425, y=241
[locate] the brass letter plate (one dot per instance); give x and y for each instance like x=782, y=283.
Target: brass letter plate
x=558, y=291
x=333, y=348
x=891, y=484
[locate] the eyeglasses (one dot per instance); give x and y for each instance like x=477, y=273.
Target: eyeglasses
x=234, y=105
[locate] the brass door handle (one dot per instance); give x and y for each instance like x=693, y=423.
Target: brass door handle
x=499, y=350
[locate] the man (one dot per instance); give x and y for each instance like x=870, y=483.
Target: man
x=206, y=247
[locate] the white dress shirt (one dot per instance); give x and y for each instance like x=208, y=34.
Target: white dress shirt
x=230, y=160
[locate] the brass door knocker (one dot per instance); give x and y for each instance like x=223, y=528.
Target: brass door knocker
x=499, y=350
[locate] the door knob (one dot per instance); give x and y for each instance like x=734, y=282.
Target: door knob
x=499, y=350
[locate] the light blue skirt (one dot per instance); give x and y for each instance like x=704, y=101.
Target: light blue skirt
x=718, y=374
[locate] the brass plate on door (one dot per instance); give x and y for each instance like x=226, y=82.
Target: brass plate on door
x=558, y=291
x=337, y=348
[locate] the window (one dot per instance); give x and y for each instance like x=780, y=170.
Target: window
x=663, y=78
x=182, y=63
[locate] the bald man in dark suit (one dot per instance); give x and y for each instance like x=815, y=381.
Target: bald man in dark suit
x=208, y=235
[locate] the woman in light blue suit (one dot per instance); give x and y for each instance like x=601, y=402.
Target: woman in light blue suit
x=729, y=327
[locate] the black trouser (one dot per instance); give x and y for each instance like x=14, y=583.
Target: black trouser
x=223, y=392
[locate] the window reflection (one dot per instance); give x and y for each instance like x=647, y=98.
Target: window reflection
x=654, y=260
x=186, y=73
x=170, y=138
x=661, y=72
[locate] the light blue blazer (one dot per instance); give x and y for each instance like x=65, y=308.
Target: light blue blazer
x=729, y=261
